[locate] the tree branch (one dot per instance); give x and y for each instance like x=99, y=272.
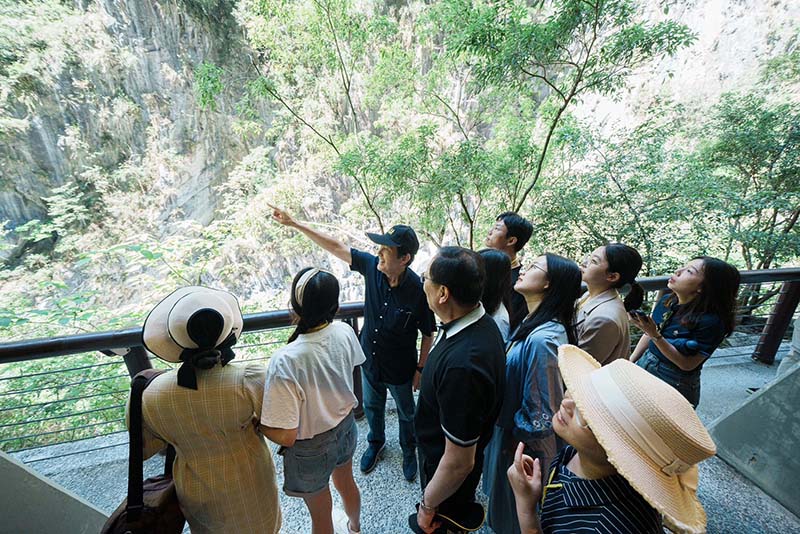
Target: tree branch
x=637, y=220
x=454, y=113
x=561, y=109
x=342, y=67
x=545, y=80
x=274, y=94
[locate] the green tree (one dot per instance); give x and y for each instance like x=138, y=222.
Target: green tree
x=558, y=51
x=754, y=154
x=461, y=102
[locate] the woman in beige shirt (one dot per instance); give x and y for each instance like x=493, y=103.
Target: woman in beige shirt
x=209, y=410
x=602, y=318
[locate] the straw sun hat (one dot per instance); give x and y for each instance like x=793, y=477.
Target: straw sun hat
x=651, y=434
x=165, y=331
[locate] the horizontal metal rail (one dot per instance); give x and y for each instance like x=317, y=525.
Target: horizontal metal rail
x=16, y=351
x=64, y=416
x=126, y=391
x=87, y=438
x=35, y=349
x=63, y=430
x=73, y=453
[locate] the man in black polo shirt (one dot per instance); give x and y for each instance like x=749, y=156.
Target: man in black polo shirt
x=395, y=309
x=509, y=234
x=462, y=387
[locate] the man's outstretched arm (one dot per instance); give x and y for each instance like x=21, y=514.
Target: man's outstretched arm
x=331, y=244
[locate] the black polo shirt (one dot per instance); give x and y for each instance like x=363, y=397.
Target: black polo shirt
x=460, y=396
x=392, y=318
x=519, y=307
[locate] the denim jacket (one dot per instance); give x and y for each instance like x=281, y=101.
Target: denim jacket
x=700, y=339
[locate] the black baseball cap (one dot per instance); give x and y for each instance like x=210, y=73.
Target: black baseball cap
x=398, y=235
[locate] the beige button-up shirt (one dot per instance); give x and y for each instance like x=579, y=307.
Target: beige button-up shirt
x=602, y=325
x=223, y=471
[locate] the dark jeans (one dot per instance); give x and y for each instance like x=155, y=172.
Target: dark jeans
x=687, y=383
x=375, y=410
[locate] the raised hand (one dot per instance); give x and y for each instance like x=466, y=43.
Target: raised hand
x=525, y=477
x=281, y=216
x=644, y=323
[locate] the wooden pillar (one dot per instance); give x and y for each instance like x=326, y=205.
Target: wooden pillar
x=777, y=323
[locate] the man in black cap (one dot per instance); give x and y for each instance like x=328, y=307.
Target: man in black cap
x=395, y=309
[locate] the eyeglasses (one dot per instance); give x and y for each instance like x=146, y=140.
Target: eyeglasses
x=534, y=266
x=424, y=277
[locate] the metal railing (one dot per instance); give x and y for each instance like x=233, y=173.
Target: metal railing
x=73, y=388
x=59, y=391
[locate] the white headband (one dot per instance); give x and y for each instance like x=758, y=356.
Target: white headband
x=303, y=282
x=632, y=422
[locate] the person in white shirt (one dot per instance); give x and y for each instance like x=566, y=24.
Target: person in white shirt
x=309, y=401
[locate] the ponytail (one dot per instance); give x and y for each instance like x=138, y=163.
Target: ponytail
x=627, y=262
x=300, y=328
x=634, y=298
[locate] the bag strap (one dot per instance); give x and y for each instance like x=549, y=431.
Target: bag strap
x=136, y=453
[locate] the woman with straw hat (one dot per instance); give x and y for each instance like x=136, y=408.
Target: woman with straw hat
x=209, y=410
x=634, y=444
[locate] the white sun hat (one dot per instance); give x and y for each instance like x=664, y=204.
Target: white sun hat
x=165, y=331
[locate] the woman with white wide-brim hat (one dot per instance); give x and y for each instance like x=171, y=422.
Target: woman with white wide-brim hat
x=209, y=410
x=634, y=445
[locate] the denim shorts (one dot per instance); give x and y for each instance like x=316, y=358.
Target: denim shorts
x=688, y=384
x=308, y=464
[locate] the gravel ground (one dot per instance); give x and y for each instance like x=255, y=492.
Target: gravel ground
x=733, y=504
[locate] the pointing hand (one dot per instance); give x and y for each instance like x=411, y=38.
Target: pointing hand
x=281, y=216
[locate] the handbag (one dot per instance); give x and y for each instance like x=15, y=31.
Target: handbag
x=151, y=506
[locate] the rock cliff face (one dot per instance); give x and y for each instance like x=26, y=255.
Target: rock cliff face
x=734, y=40
x=124, y=87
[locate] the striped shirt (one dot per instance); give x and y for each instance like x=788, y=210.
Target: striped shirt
x=608, y=505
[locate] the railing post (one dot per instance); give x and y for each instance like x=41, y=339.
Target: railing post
x=359, y=411
x=136, y=360
x=777, y=323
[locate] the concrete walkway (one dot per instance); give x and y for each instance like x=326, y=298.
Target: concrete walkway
x=732, y=503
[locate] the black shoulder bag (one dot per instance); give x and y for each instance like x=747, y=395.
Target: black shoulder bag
x=152, y=506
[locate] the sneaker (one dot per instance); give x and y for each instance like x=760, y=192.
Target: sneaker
x=410, y=466
x=341, y=524
x=371, y=456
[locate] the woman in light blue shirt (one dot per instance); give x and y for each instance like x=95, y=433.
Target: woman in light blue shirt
x=534, y=390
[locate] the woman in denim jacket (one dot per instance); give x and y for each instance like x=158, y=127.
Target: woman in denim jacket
x=688, y=324
x=534, y=389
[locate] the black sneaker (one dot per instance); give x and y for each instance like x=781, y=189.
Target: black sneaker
x=410, y=466
x=371, y=456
